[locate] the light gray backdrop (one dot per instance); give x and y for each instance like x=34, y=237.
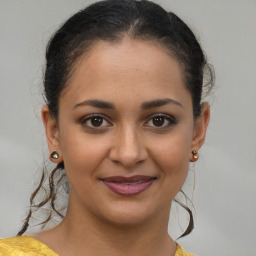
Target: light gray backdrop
x=225, y=195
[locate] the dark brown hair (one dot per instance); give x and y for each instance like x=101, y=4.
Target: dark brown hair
x=111, y=20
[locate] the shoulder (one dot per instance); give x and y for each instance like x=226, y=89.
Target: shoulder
x=181, y=252
x=24, y=246
x=28, y=246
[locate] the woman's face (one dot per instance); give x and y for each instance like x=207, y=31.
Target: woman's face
x=125, y=131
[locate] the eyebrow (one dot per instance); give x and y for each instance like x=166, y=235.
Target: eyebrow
x=145, y=105
x=96, y=103
x=159, y=103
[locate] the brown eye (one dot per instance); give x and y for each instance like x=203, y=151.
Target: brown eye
x=161, y=121
x=96, y=121
x=158, y=121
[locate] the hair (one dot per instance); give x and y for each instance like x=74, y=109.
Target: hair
x=112, y=20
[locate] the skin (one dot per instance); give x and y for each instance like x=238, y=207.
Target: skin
x=125, y=74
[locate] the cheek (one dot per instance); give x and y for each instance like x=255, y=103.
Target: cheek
x=171, y=155
x=173, y=149
x=82, y=154
x=173, y=161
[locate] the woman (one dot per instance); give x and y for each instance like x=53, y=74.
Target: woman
x=123, y=119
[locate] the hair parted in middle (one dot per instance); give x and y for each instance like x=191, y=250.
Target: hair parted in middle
x=111, y=21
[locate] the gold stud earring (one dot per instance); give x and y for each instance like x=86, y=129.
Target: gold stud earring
x=54, y=155
x=195, y=156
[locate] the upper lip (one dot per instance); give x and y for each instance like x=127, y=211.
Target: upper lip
x=122, y=179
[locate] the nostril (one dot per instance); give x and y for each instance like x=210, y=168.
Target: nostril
x=128, y=148
x=127, y=160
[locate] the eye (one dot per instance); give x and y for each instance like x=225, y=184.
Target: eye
x=95, y=121
x=161, y=121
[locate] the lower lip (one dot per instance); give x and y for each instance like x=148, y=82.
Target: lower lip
x=128, y=189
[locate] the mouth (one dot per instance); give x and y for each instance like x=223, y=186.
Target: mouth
x=128, y=185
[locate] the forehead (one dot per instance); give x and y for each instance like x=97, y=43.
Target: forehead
x=137, y=68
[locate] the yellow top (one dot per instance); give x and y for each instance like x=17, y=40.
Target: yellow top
x=29, y=246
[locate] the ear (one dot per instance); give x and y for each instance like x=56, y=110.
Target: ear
x=200, y=127
x=52, y=134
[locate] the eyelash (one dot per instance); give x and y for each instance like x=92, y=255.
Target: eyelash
x=94, y=116
x=170, y=119
x=167, y=118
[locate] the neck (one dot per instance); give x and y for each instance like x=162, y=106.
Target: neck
x=82, y=233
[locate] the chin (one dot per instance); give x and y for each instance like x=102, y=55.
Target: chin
x=125, y=220
x=130, y=214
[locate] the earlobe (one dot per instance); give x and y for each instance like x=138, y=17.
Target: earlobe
x=52, y=135
x=200, y=128
x=55, y=157
x=194, y=156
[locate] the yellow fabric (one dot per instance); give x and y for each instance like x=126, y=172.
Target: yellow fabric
x=29, y=246
x=180, y=251
x=24, y=246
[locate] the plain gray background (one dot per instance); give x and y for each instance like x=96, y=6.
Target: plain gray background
x=225, y=195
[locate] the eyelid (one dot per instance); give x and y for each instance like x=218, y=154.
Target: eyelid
x=88, y=117
x=172, y=120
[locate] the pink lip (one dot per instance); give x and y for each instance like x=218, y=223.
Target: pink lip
x=128, y=185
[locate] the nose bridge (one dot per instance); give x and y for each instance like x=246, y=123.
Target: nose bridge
x=128, y=148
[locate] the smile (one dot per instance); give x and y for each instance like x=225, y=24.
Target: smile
x=128, y=185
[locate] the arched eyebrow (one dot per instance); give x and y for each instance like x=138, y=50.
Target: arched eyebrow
x=159, y=103
x=144, y=105
x=96, y=103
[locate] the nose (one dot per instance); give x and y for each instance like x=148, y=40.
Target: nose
x=128, y=148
